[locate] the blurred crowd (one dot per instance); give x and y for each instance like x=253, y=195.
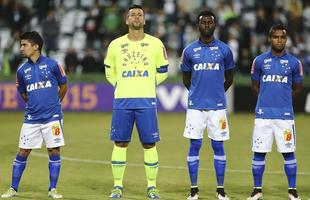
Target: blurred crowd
x=77, y=32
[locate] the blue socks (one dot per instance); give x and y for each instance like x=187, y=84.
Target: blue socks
x=290, y=168
x=18, y=169
x=258, y=168
x=219, y=161
x=54, y=164
x=193, y=160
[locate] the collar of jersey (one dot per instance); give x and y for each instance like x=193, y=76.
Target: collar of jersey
x=38, y=61
x=273, y=56
x=212, y=43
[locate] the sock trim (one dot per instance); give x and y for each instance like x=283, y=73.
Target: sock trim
x=151, y=164
x=18, y=161
x=219, y=157
x=256, y=162
x=289, y=162
x=192, y=158
x=118, y=163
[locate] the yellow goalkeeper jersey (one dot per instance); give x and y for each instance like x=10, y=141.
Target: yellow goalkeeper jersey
x=134, y=68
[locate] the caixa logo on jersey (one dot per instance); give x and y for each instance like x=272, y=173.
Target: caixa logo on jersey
x=206, y=66
x=135, y=73
x=274, y=78
x=38, y=85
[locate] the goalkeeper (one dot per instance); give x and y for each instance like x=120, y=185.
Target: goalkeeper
x=135, y=63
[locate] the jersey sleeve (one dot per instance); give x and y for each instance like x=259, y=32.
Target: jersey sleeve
x=229, y=60
x=20, y=84
x=255, y=71
x=297, y=72
x=109, y=63
x=60, y=74
x=185, y=62
x=161, y=63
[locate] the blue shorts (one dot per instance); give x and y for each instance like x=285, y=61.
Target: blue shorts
x=146, y=123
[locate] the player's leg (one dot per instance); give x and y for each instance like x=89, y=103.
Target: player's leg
x=290, y=168
x=261, y=144
x=218, y=131
x=193, y=166
x=258, y=168
x=286, y=144
x=121, y=130
x=219, y=166
x=30, y=138
x=52, y=134
x=151, y=169
x=54, y=165
x=147, y=126
x=19, y=166
x=194, y=128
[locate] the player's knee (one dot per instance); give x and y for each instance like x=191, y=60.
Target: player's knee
x=289, y=156
x=53, y=151
x=259, y=156
x=24, y=152
x=195, y=145
x=218, y=147
x=122, y=144
x=148, y=145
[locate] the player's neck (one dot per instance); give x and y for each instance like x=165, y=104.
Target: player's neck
x=277, y=53
x=136, y=35
x=206, y=40
x=35, y=57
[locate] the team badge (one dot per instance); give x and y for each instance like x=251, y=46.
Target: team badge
x=288, y=135
x=56, y=130
x=223, y=123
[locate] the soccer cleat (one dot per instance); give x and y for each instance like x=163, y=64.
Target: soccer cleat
x=194, y=194
x=153, y=193
x=256, y=194
x=116, y=192
x=220, y=194
x=9, y=194
x=292, y=194
x=54, y=194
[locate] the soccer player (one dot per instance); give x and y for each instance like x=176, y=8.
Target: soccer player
x=207, y=66
x=135, y=63
x=276, y=77
x=42, y=84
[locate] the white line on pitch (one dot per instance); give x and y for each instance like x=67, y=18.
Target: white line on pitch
x=161, y=166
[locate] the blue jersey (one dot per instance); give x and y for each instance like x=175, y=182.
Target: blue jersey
x=40, y=82
x=207, y=64
x=276, y=76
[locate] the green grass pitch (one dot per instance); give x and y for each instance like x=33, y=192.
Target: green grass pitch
x=86, y=172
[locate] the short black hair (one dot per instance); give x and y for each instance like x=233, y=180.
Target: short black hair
x=206, y=13
x=277, y=27
x=135, y=6
x=34, y=37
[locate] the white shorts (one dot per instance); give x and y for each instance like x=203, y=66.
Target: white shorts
x=214, y=120
x=32, y=135
x=266, y=129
